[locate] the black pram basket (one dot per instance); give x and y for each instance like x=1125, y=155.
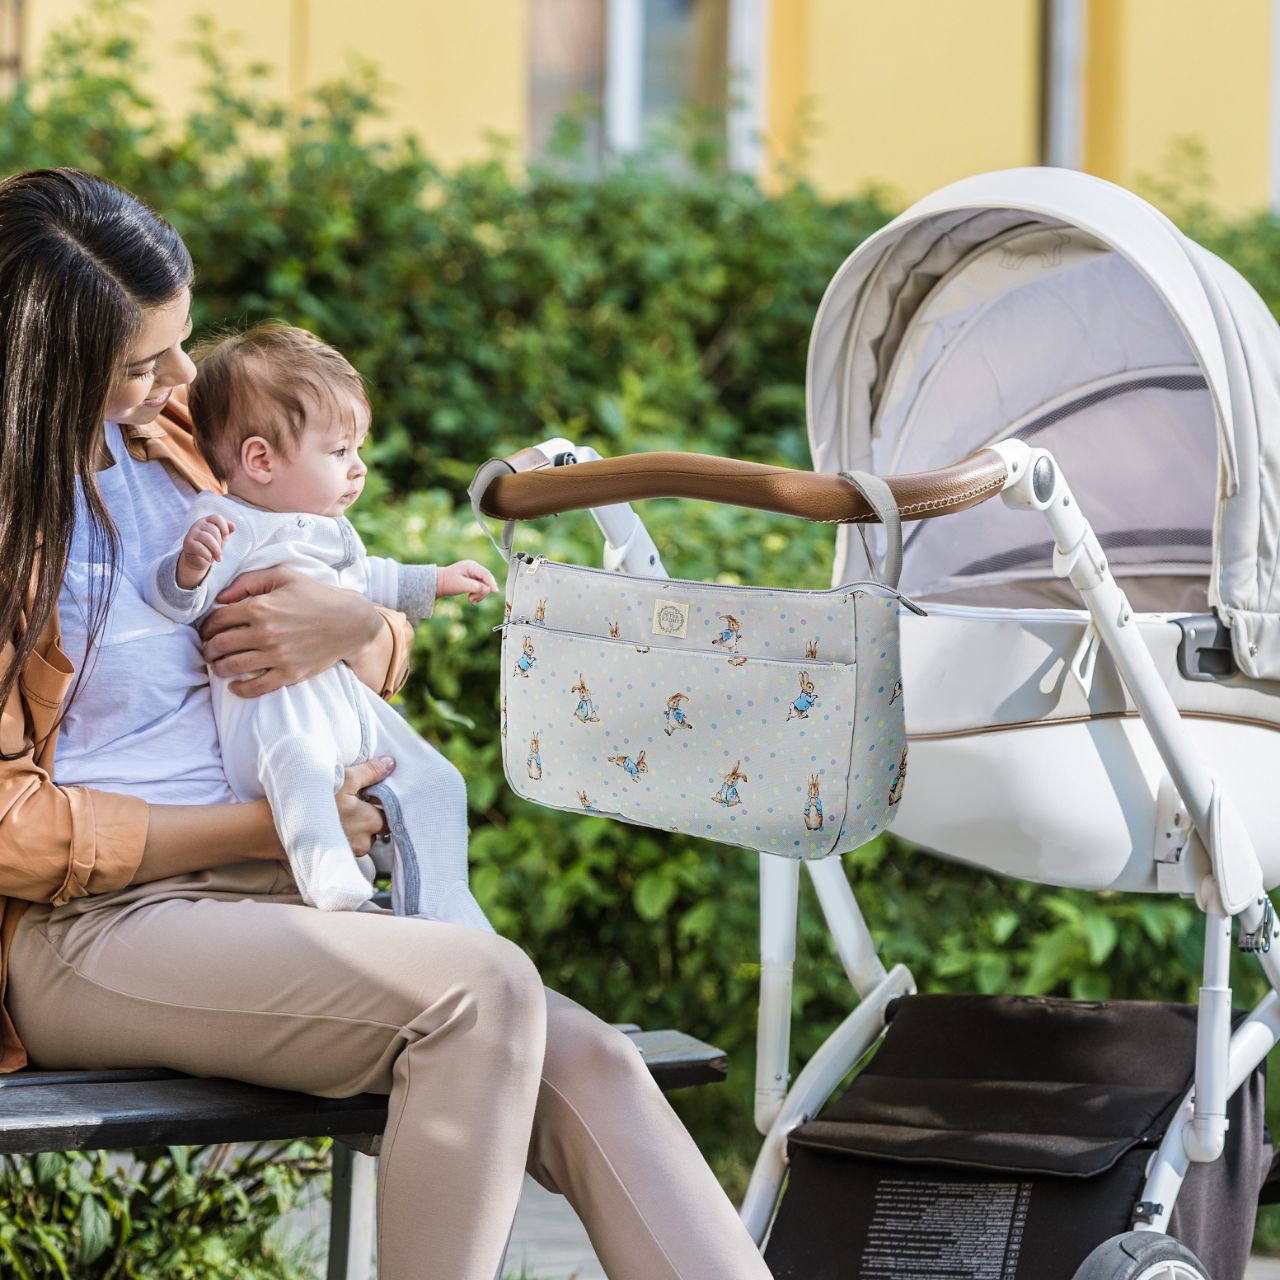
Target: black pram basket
x=1003, y=1138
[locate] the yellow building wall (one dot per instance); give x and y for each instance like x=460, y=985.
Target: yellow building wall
x=1163, y=70
x=913, y=94
x=456, y=72
x=908, y=93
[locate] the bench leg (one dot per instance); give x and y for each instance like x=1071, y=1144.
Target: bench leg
x=351, y=1219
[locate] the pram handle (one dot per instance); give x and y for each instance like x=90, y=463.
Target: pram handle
x=538, y=489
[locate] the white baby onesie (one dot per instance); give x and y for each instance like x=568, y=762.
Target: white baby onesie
x=292, y=745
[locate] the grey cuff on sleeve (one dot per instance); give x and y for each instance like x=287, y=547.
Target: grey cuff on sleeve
x=180, y=599
x=415, y=590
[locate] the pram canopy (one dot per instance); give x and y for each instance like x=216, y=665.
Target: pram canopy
x=1053, y=306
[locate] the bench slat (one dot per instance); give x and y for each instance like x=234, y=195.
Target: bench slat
x=68, y=1111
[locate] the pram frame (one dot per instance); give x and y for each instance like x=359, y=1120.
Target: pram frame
x=1218, y=867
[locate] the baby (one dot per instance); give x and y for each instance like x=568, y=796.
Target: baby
x=280, y=418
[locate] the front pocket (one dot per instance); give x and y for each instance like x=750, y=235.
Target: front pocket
x=747, y=751
x=760, y=622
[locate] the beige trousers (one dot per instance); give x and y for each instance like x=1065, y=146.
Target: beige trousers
x=226, y=973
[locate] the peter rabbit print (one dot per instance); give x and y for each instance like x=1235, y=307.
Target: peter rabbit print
x=585, y=711
x=634, y=767
x=899, y=779
x=524, y=664
x=675, y=715
x=730, y=633
x=813, y=806
x=769, y=719
x=807, y=700
x=728, y=793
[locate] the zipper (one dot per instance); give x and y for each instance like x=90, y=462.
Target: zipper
x=843, y=592
x=534, y=628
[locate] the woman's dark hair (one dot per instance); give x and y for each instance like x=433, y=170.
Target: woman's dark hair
x=80, y=261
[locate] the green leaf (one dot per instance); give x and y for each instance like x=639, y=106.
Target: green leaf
x=48, y=1167
x=1100, y=936
x=1090, y=986
x=95, y=1230
x=654, y=893
x=1003, y=925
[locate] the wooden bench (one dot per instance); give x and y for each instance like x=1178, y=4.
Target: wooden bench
x=113, y=1110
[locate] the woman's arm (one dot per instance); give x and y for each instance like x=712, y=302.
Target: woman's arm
x=289, y=627
x=195, y=837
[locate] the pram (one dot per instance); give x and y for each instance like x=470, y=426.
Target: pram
x=1037, y=324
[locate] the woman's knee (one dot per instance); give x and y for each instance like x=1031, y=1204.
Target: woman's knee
x=582, y=1048
x=499, y=990
x=502, y=967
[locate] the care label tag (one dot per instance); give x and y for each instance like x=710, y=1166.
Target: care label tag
x=670, y=618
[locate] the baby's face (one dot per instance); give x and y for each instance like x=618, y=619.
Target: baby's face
x=324, y=475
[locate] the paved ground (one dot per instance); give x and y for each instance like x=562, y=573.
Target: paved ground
x=549, y=1242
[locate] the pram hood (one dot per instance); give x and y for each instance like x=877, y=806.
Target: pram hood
x=1056, y=307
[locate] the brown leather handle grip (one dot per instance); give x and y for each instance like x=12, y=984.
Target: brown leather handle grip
x=811, y=495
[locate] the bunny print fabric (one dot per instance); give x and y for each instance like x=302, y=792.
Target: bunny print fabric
x=766, y=718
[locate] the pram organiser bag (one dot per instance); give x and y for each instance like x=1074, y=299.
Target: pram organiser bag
x=767, y=718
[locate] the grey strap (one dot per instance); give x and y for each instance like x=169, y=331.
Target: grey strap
x=881, y=500
x=487, y=473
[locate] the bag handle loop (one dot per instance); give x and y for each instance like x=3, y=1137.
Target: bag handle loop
x=881, y=500
x=487, y=473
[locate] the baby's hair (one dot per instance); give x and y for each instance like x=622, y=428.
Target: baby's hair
x=262, y=382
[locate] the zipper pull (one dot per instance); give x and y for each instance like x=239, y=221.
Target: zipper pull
x=911, y=604
x=536, y=563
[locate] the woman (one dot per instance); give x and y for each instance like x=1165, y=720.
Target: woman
x=149, y=918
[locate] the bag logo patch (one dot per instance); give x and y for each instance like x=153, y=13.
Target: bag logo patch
x=670, y=618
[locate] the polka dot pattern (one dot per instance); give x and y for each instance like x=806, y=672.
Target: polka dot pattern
x=770, y=719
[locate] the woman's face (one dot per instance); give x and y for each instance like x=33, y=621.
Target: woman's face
x=154, y=364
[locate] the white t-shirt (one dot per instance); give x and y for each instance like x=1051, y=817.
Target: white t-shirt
x=142, y=721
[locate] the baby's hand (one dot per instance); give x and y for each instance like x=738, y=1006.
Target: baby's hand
x=200, y=548
x=465, y=577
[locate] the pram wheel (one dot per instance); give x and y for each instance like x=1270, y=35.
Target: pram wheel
x=1141, y=1255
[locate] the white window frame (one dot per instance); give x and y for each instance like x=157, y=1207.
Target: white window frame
x=746, y=59
x=624, y=74
x=1274, y=141
x=1063, y=71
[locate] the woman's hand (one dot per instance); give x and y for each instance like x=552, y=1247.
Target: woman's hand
x=362, y=819
x=279, y=627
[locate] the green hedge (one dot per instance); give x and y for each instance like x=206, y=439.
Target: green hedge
x=490, y=308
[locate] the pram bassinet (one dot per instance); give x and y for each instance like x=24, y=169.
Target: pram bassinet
x=1052, y=307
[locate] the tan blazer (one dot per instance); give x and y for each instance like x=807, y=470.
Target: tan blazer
x=59, y=843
